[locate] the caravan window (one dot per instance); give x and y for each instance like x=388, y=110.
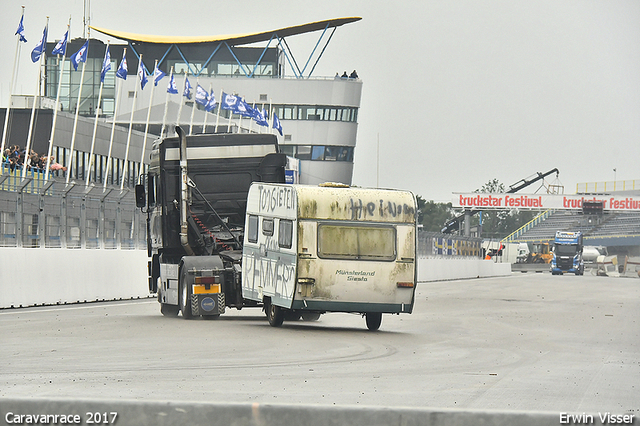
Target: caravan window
x=285, y=233
x=267, y=227
x=357, y=242
x=252, y=229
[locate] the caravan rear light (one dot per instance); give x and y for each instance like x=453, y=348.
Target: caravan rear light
x=405, y=284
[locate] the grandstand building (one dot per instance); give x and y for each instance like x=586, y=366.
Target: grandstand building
x=318, y=114
x=619, y=231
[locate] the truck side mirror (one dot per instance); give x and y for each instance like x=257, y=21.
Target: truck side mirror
x=141, y=196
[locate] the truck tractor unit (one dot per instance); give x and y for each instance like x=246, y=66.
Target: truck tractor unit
x=224, y=230
x=567, y=253
x=195, y=200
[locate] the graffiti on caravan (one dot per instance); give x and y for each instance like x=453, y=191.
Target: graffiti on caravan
x=383, y=208
x=273, y=198
x=263, y=272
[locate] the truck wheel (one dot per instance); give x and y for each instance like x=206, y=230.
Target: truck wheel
x=373, y=319
x=275, y=315
x=311, y=316
x=169, y=310
x=185, y=295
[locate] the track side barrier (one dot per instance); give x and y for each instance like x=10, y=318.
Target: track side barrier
x=138, y=413
x=632, y=266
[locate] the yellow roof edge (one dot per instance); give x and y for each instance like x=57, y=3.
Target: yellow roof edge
x=235, y=39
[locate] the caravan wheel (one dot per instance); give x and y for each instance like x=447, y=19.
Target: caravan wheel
x=275, y=315
x=373, y=319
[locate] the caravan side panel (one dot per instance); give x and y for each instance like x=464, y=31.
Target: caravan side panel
x=270, y=241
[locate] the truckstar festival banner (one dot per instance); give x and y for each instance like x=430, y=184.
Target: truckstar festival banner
x=479, y=201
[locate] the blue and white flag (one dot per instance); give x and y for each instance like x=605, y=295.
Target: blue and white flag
x=142, y=75
x=187, y=89
x=276, y=124
x=20, y=31
x=171, y=87
x=80, y=55
x=260, y=117
x=229, y=101
x=106, y=65
x=158, y=75
x=211, y=103
x=201, y=95
x=244, y=109
x=39, y=49
x=61, y=47
x=122, y=69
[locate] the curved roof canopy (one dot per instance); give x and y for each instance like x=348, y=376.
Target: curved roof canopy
x=234, y=40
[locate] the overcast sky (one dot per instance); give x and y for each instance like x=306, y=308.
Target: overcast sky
x=456, y=92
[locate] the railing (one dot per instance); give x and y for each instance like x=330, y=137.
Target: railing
x=39, y=214
x=597, y=187
x=527, y=226
x=431, y=244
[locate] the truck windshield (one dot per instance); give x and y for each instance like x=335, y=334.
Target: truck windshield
x=565, y=249
x=357, y=242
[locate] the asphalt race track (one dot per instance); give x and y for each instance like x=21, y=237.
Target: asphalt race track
x=531, y=342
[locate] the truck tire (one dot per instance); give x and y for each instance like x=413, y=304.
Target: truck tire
x=275, y=315
x=373, y=319
x=185, y=295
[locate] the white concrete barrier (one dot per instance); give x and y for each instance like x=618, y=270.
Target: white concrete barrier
x=150, y=413
x=42, y=276
x=441, y=269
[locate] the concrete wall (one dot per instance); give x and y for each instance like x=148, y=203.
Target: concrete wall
x=441, y=269
x=43, y=276
x=158, y=413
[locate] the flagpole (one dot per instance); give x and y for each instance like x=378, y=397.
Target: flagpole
x=206, y=113
x=146, y=126
x=263, y=117
x=184, y=85
x=75, y=121
x=133, y=109
x=240, y=121
x=13, y=78
x=229, y=125
x=57, y=107
x=193, y=111
x=219, y=105
x=166, y=105
x=251, y=121
x=33, y=108
x=113, y=128
x=95, y=124
x=271, y=116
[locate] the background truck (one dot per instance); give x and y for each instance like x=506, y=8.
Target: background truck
x=329, y=248
x=195, y=199
x=567, y=253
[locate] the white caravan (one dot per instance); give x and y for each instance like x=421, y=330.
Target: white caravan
x=314, y=249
